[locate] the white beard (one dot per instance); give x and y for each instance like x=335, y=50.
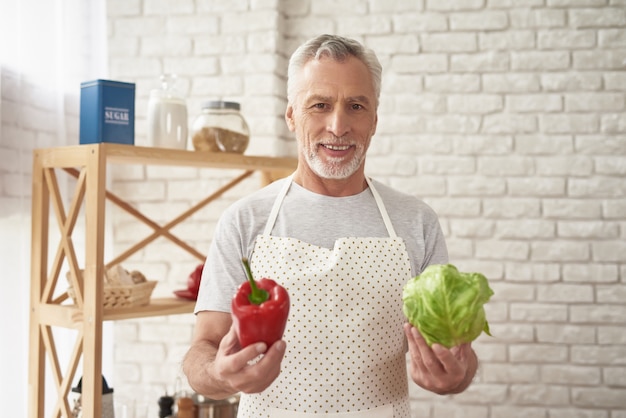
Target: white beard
x=336, y=169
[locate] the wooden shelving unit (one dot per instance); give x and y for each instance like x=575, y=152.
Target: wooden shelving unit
x=51, y=308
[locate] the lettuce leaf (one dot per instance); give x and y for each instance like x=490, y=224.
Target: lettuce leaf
x=446, y=306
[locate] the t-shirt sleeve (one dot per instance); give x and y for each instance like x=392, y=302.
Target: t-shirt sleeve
x=223, y=271
x=435, y=248
x=234, y=237
x=418, y=224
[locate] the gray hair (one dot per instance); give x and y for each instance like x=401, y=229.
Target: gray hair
x=338, y=48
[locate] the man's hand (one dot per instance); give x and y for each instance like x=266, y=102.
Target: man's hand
x=217, y=367
x=438, y=369
x=241, y=369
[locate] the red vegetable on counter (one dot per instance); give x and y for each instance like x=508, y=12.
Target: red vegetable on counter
x=193, y=284
x=260, y=309
x=193, y=281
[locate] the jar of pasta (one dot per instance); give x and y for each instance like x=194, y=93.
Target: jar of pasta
x=220, y=127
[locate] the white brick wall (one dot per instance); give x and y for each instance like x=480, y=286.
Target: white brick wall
x=508, y=117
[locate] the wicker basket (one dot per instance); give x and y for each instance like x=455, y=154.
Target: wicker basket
x=124, y=296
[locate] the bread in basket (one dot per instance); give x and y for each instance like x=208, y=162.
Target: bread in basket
x=122, y=289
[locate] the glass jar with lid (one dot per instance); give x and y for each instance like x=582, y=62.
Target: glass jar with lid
x=220, y=127
x=167, y=116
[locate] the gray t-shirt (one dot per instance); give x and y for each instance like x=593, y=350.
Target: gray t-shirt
x=315, y=219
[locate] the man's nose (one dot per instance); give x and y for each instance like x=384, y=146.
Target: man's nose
x=338, y=122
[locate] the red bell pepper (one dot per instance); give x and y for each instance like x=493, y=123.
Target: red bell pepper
x=260, y=310
x=193, y=281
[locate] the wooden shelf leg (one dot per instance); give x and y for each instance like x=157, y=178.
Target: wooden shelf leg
x=39, y=262
x=93, y=283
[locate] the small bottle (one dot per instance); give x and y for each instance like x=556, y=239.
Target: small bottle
x=167, y=116
x=186, y=407
x=166, y=403
x=220, y=127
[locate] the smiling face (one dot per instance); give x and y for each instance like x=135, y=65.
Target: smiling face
x=334, y=118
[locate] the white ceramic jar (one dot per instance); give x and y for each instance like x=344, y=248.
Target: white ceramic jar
x=167, y=116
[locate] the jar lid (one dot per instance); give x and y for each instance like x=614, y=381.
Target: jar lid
x=219, y=104
x=168, y=90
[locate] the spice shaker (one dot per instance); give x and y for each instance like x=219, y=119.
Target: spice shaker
x=166, y=403
x=186, y=407
x=167, y=116
x=220, y=127
x=107, y=400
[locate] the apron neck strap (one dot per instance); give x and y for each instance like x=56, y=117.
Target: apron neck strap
x=381, y=208
x=277, y=203
x=283, y=192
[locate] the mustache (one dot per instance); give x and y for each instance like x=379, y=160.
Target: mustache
x=337, y=140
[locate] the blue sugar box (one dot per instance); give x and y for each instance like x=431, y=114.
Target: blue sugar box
x=107, y=112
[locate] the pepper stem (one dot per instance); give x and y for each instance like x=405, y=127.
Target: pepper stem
x=257, y=296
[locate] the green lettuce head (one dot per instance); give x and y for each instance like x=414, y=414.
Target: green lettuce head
x=446, y=306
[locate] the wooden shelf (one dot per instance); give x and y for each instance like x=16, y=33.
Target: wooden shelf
x=129, y=154
x=88, y=165
x=71, y=316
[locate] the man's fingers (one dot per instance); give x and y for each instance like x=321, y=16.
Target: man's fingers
x=229, y=342
x=275, y=353
x=257, y=375
x=429, y=358
x=237, y=357
x=436, y=368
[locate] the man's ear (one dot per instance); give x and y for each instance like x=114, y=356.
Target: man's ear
x=289, y=118
x=375, y=124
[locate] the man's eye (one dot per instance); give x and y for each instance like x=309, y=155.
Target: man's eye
x=356, y=107
x=319, y=106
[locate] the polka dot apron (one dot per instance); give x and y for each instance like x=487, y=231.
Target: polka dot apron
x=345, y=346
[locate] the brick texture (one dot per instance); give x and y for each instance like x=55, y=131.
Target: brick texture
x=508, y=117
